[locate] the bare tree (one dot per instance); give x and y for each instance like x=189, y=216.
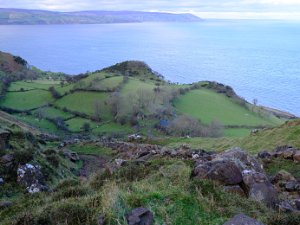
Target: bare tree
x=97, y=110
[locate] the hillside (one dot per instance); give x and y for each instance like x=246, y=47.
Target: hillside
x=22, y=16
x=176, y=168
x=44, y=181
x=131, y=98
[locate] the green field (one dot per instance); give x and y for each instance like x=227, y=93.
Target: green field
x=112, y=128
x=42, y=124
x=207, y=105
x=134, y=85
x=50, y=112
x=30, y=85
x=111, y=83
x=83, y=102
x=75, y=124
x=27, y=100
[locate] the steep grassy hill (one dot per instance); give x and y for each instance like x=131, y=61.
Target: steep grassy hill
x=130, y=98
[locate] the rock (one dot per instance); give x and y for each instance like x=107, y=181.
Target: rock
x=140, y=216
x=5, y=204
x=264, y=155
x=264, y=193
x=120, y=162
x=283, y=175
x=297, y=204
x=225, y=172
x=4, y=138
x=235, y=167
x=195, y=156
x=259, y=188
x=7, y=160
x=243, y=160
x=101, y=220
x=236, y=189
x=1, y=181
x=285, y=152
x=31, y=177
x=285, y=206
x=292, y=186
x=296, y=156
x=242, y=219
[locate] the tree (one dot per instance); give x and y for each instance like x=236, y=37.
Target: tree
x=255, y=101
x=97, y=110
x=55, y=94
x=86, y=127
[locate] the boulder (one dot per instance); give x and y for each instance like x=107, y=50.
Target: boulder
x=296, y=156
x=225, y=172
x=243, y=160
x=283, y=175
x=292, y=185
x=4, y=138
x=264, y=155
x=285, y=207
x=1, y=181
x=242, y=219
x=31, y=177
x=259, y=188
x=140, y=216
x=235, y=167
x=285, y=152
x=297, y=204
x=7, y=160
x=264, y=193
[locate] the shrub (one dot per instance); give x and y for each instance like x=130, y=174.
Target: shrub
x=55, y=94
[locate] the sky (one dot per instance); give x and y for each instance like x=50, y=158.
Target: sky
x=229, y=9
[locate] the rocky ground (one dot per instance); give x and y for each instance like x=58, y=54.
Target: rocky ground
x=234, y=171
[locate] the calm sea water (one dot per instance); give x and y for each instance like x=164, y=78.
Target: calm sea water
x=260, y=59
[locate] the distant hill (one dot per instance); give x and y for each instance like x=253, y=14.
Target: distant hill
x=34, y=17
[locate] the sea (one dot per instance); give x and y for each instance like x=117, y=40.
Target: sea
x=259, y=59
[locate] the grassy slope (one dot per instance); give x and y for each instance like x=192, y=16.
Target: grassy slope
x=83, y=102
x=207, y=105
x=267, y=139
x=27, y=100
x=203, y=104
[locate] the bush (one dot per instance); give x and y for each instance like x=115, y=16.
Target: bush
x=86, y=127
x=55, y=94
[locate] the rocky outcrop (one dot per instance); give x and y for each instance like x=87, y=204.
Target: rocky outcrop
x=284, y=152
x=242, y=219
x=140, y=216
x=235, y=167
x=31, y=177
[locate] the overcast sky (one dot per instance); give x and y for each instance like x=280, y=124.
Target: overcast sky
x=277, y=9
